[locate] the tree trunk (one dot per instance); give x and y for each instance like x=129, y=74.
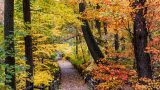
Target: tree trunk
x=123, y=43
x=116, y=42
x=28, y=42
x=140, y=42
x=91, y=43
x=83, y=53
x=77, y=42
x=9, y=42
x=98, y=25
x=106, y=37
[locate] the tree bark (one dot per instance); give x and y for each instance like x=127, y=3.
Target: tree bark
x=80, y=40
x=9, y=42
x=98, y=25
x=116, y=42
x=77, y=41
x=123, y=43
x=28, y=42
x=143, y=61
x=106, y=37
x=91, y=43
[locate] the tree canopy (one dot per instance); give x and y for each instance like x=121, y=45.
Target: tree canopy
x=114, y=42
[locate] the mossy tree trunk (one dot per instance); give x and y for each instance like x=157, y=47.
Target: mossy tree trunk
x=9, y=43
x=28, y=42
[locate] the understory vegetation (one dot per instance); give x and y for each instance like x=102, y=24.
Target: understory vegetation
x=113, y=43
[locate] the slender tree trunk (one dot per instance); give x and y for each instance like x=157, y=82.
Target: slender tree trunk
x=9, y=42
x=77, y=41
x=92, y=25
x=91, y=43
x=98, y=25
x=116, y=42
x=106, y=38
x=83, y=52
x=28, y=42
x=123, y=43
x=140, y=42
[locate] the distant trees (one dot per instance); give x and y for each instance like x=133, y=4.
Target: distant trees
x=9, y=43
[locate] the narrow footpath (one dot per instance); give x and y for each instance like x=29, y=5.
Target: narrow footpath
x=70, y=78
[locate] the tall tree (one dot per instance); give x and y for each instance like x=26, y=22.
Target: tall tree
x=9, y=42
x=140, y=41
x=28, y=42
x=91, y=43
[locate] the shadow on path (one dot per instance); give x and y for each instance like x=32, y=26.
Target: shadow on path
x=70, y=78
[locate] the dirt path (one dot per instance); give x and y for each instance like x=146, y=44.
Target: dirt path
x=70, y=78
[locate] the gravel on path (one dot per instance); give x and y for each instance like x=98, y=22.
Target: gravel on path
x=70, y=78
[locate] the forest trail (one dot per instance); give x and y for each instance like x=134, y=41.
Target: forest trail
x=70, y=78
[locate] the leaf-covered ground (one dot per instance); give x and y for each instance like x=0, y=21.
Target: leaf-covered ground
x=70, y=78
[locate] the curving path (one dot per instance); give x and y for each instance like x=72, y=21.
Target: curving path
x=70, y=78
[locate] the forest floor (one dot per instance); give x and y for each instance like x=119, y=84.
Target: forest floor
x=70, y=78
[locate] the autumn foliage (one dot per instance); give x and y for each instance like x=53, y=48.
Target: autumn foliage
x=126, y=33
